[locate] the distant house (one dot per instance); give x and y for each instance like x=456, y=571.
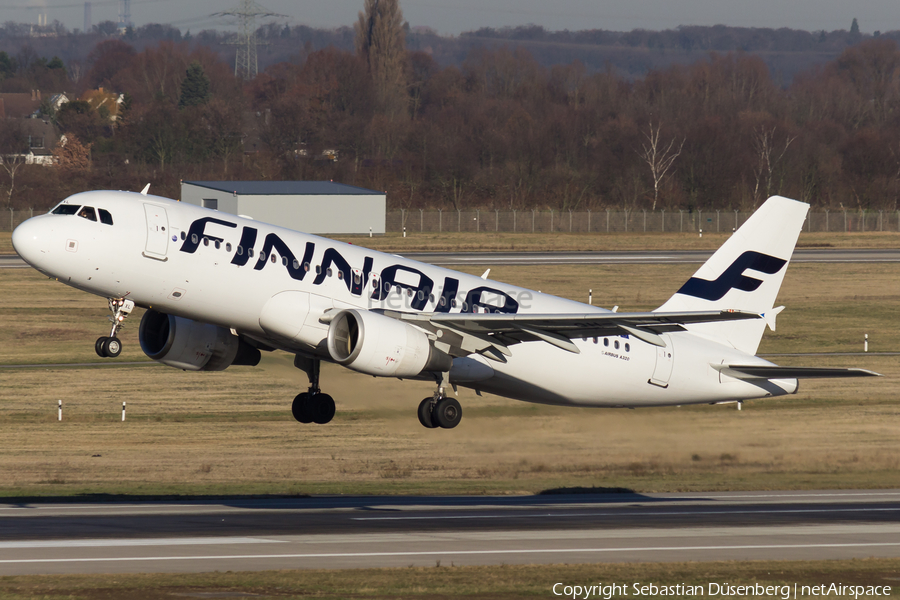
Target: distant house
x=42, y=137
x=104, y=101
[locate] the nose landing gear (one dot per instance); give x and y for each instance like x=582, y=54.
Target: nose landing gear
x=111, y=347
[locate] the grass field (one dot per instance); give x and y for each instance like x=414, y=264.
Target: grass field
x=231, y=432
x=446, y=581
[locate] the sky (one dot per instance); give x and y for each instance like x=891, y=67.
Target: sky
x=455, y=16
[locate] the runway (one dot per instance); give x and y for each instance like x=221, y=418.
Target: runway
x=354, y=532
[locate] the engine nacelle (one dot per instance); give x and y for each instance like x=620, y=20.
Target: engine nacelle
x=192, y=345
x=374, y=344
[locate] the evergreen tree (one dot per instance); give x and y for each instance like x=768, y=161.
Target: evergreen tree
x=381, y=42
x=195, y=87
x=854, y=27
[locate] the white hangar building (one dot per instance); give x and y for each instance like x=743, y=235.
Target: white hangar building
x=321, y=207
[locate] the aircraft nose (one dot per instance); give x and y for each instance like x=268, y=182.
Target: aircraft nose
x=28, y=240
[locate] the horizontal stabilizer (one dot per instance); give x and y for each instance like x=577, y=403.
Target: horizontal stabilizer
x=776, y=372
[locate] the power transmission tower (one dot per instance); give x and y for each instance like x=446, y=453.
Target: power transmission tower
x=124, y=13
x=245, y=64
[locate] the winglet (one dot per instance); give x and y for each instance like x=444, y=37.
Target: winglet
x=486, y=273
x=145, y=190
x=770, y=315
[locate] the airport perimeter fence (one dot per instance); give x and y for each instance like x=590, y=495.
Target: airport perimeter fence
x=612, y=221
x=600, y=221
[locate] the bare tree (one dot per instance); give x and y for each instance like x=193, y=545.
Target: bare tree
x=767, y=159
x=13, y=146
x=659, y=159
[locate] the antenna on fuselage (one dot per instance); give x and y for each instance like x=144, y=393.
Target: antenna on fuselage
x=145, y=190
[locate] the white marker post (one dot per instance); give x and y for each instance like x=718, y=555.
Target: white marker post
x=866, y=344
x=404, y=232
x=60, y=410
x=123, y=412
x=590, y=296
x=370, y=232
x=701, y=232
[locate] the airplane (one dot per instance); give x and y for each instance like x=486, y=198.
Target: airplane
x=219, y=289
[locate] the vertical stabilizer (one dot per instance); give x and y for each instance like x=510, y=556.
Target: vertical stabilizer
x=745, y=273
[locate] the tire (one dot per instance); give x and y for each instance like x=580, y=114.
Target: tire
x=447, y=413
x=425, y=416
x=98, y=347
x=301, y=408
x=112, y=347
x=322, y=408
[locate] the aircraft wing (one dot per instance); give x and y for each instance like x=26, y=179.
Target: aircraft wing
x=491, y=333
x=776, y=372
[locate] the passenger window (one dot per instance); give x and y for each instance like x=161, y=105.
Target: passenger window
x=284, y=261
x=328, y=272
x=340, y=275
x=616, y=344
x=88, y=213
x=240, y=251
x=218, y=244
x=183, y=235
x=273, y=257
x=296, y=265
x=306, y=266
x=106, y=219
x=250, y=252
x=66, y=209
x=606, y=342
x=205, y=241
x=228, y=247
x=627, y=347
x=194, y=238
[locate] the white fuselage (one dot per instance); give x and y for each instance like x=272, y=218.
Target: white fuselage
x=150, y=255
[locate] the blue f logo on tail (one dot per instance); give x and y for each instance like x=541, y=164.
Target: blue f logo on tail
x=733, y=277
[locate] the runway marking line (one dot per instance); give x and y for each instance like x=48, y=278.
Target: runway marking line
x=445, y=553
x=619, y=514
x=118, y=543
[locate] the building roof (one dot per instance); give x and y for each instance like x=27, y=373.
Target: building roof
x=285, y=188
x=20, y=105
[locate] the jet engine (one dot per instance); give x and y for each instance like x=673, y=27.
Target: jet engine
x=192, y=345
x=374, y=344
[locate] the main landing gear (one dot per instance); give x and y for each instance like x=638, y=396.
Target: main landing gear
x=111, y=347
x=312, y=406
x=440, y=410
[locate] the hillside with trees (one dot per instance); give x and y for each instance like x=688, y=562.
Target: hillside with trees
x=498, y=126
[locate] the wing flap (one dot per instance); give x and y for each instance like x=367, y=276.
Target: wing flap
x=481, y=330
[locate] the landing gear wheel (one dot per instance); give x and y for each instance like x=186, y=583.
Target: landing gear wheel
x=98, y=347
x=112, y=347
x=301, y=408
x=425, y=415
x=447, y=413
x=322, y=408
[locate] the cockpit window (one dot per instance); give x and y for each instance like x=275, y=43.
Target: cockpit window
x=88, y=213
x=105, y=217
x=66, y=209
